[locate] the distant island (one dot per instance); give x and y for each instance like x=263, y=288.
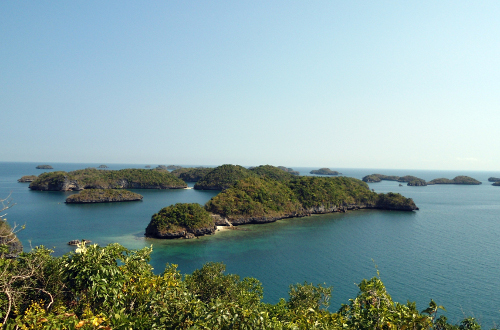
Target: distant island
x=27, y=178
x=44, y=167
x=497, y=183
x=261, y=199
x=492, y=179
x=289, y=170
x=379, y=177
x=103, y=196
x=324, y=171
x=102, y=166
x=173, y=167
x=461, y=179
x=92, y=178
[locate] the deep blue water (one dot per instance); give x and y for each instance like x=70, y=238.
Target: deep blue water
x=449, y=250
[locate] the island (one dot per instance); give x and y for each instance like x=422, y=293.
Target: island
x=492, y=179
x=223, y=177
x=497, y=183
x=182, y=220
x=103, y=196
x=191, y=174
x=102, y=166
x=173, y=167
x=44, y=167
x=412, y=180
x=92, y=178
x=379, y=177
x=27, y=178
x=324, y=171
x=461, y=179
x=255, y=199
x=147, y=166
x=289, y=170
x=161, y=167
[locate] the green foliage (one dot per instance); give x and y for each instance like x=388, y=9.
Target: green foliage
x=191, y=174
x=254, y=197
x=114, y=288
x=289, y=170
x=107, y=179
x=409, y=178
x=223, y=177
x=331, y=192
x=272, y=172
x=179, y=217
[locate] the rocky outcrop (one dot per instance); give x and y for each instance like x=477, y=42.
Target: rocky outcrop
x=27, y=178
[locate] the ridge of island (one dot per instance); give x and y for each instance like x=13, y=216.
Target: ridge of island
x=92, y=178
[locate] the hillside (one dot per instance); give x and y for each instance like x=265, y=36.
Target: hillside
x=223, y=177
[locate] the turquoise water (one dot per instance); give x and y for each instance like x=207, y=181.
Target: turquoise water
x=449, y=250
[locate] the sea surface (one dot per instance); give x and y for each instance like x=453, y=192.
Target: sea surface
x=449, y=250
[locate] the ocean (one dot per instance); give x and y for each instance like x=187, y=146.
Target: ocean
x=448, y=251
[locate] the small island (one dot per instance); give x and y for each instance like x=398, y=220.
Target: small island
x=497, y=183
x=182, y=220
x=492, y=179
x=103, y=196
x=44, y=167
x=412, y=180
x=161, y=168
x=147, y=166
x=102, y=166
x=324, y=171
x=223, y=177
x=27, y=178
x=461, y=179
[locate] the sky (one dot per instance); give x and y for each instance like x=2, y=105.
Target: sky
x=339, y=84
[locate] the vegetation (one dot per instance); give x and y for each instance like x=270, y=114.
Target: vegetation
x=115, y=288
x=106, y=179
x=417, y=182
x=272, y=172
x=103, y=196
x=324, y=171
x=44, y=167
x=102, y=166
x=493, y=179
x=255, y=198
x=409, y=178
x=331, y=192
x=179, y=218
x=462, y=179
x=191, y=174
x=497, y=183
x=10, y=245
x=173, y=167
x=223, y=177
x=27, y=178
x=392, y=201
x=379, y=177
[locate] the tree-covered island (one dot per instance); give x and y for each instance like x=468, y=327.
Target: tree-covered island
x=103, y=196
x=493, y=179
x=223, y=177
x=92, y=178
x=379, y=177
x=324, y=171
x=263, y=199
x=44, y=167
x=461, y=179
x=191, y=174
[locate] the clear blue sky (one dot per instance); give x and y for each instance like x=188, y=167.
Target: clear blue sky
x=376, y=84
